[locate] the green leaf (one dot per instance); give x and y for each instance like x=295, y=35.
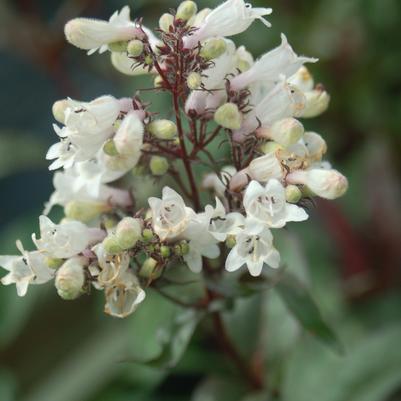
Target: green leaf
x=303, y=307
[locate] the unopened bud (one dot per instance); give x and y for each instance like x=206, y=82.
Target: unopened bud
x=139, y=171
x=315, y=144
x=111, y=245
x=128, y=232
x=85, y=211
x=285, y=132
x=148, y=60
x=239, y=181
x=158, y=81
x=194, y=80
x=129, y=137
x=328, y=184
x=135, y=47
x=58, y=110
x=231, y=241
x=147, y=235
x=109, y=223
x=270, y=147
x=54, y=263
x=165, y=251
x=182, y=248
x=109, y=148
x=149, y=269
x=165, y=21
x=70, y=279
x=186, y=10
x=228, y=116
x=158, y=165
x=163, y=129
x=265, y=167
x=302, y=79
x=317, y=102
x=118, y=47
x=292, y=194
x=213, y=48
x=197, y=19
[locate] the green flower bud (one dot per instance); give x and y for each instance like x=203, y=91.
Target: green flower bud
x=110, y=148
x=135, y=47
x=186, y=10
x=147, y=235
x=70, y=279
x=182, y=248
x=163, y=129
x=158, y=165
x=270, y=147
x=292, y=194
x=128, y=232
x=165, y=251
x=111, y=245
x=231, y=241
x=109, y=223
x=85, y=211
x=118, y=47
x=58, y=110
x=158, y=81
x=165, y=21
x=148, y=60
x=194, y=80
x=228, y=116
x=149, y=269
x=138, y=171
x=54, y=263
x=213, y=48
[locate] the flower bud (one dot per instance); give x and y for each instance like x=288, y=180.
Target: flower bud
x=198, y=18
x=302, y=79
x=315, y=145
x=194, y=80
x=118, y=47
x=317, y=102
x=328, y=184
x=165, y=251
x=158, y=165
x=85, y=211
x=165, y=21
x=228, y=116
x=265, y=167
x=129, y=137
x=213, y=48
x=147, y=235
x=58, y=110
x=135, y=47
x=182, y=248
x=270, y=147
x=122, y=63
x=285, y=132
x=244, y=59
x=111, y=245
x=54, y=263
x=186, y=10
x=158, y=81
x=70, y=279
x=292, y=194
x=149, y=269
x=163, y=129
x=239, y=180
x=231, y=241
x=128, y=232
x=109, y=148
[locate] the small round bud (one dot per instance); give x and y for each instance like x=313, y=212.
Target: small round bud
x=231, y=241
x=158, y=165
x=184, y=247
x=163, y=129
x=194, y=80
x=270, y=147
x=165, y=21
x=213, y=48
x=228, y=116
x=135, y=47
x=165, y=251
x=111, y=245
x=54, y=263
x=85, y=211
x=158, y=81
x=148, y=60
x=147, y=235
x=186, y=10
x=109, y=148
x=118, y=47
x=128, y=232
x=292, y=194
x=70, y=279
x=149, y=269
x=58, y=110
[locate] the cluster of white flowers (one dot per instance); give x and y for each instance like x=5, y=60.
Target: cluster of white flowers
x=224, y=93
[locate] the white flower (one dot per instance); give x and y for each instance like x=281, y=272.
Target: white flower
x=280, y=61
x=129, y=137
x=70, y=278
x=302, y=79
x=264, y=168
x=61, y=240
x=267, y=205
x=30, y=268
x=254, y=250
x=317, y=102
x=65, y=153
x=326, y=183
x=230, y=18
x=221, y=223
x=170, y=216
x=92, y=34
x=284, y=100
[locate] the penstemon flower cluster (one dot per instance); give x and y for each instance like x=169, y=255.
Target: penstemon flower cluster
x=220, y=96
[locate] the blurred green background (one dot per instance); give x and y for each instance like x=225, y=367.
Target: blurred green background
x=349, y=251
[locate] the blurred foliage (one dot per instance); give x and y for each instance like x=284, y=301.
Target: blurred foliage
x=348, y=254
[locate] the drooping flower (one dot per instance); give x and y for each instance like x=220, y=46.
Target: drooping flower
x=29, y=268
x=253, y=249
x=267, y=205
